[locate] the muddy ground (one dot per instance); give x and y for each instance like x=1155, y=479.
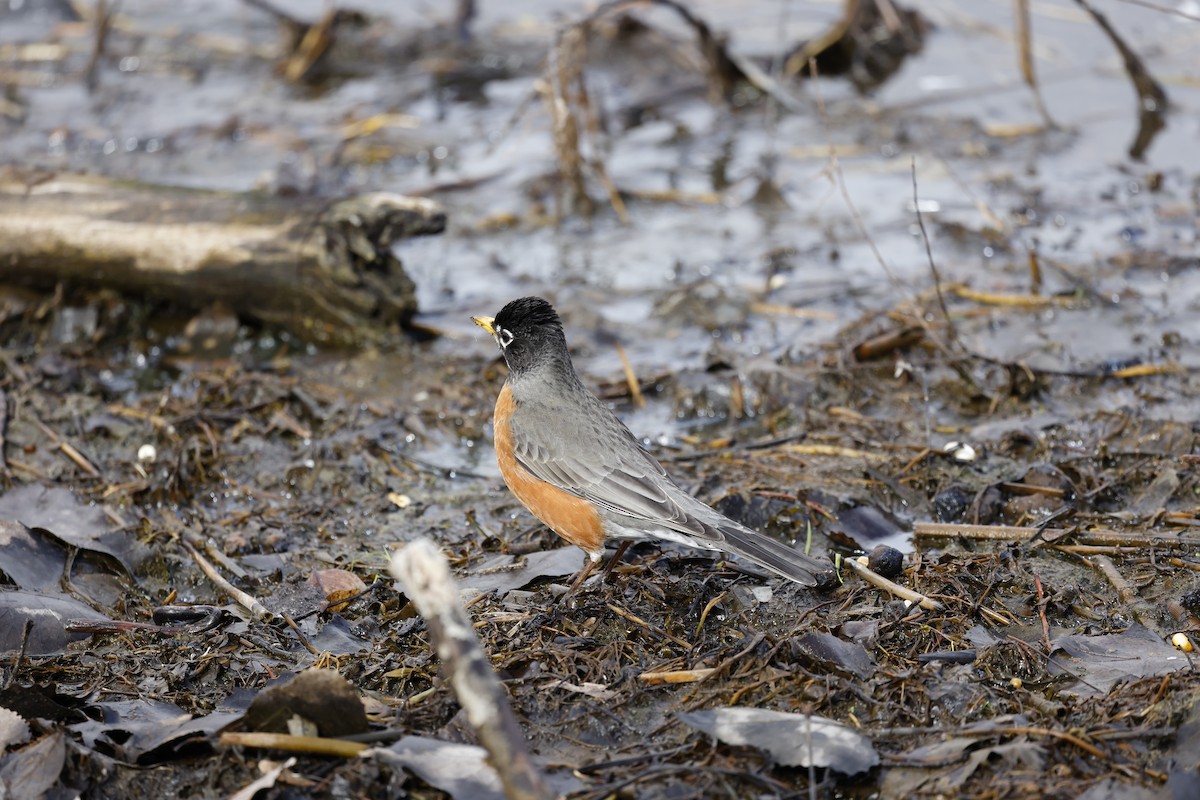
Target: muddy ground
x=1018, y=417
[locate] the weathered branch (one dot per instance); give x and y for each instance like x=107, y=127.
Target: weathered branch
x=423, y=572
x=323, y=272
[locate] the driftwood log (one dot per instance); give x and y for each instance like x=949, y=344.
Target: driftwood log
x=325, y=272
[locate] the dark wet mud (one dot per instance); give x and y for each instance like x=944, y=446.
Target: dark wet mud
x=892, y=305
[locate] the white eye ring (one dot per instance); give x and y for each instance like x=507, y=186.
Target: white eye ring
x=503, y=338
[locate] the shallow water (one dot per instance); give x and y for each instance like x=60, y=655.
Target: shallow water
x=188, y=95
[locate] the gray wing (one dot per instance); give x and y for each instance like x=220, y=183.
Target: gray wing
x=600, y=461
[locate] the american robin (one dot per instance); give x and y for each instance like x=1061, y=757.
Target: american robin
x=578, y=469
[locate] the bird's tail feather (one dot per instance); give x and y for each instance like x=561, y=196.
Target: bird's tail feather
x=775, y=556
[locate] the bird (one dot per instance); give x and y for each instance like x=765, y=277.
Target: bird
x=577, y=468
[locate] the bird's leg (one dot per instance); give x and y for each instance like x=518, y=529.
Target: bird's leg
x=588, y=566
x=612, y=562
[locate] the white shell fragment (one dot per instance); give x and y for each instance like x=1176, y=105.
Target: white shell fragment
x=960, y=450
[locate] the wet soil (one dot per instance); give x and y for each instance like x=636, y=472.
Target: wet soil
x=807, y=379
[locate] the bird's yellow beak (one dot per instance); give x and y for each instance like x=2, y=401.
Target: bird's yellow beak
x=485, y=323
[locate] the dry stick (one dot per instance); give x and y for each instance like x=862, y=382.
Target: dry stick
x=676, y=676
x=592, y=129
x=980, y=204
x=79, y=458
x=67, y=449
x=707, y=609
x=873, y=577
x=317, y=40
x=1065, y=736
x=1028, y=301
x=210, y=548
x=635, y=390
x=840, y=179
x=1042, y=600
x=1108, y=569
x=1152, y=100
x=798, y=61
x=1129, y=597
x=103, y=24
x=315, y=745
x=246, y=601
x=425, y=576
x=1052, y=536
x=937, y=277
x=566, y=70
x=1164, y=9
x=832, y=450
x=1144, y=370
x=26, y=629
x=291, y=623
x=1094, y=549
x=565, y=126
x=1025, y=57
x=4, y=473
x=654, y=629
x=1035, y=268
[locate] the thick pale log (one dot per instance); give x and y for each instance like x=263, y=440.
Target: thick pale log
x=323, y=271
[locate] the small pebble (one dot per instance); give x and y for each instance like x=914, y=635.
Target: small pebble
x=887, y=561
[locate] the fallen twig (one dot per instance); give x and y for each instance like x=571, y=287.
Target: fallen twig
x=1152, y=100
x=423, y=572
x=1053, y=536
x=839, y=179
x=573, y=118
x=101, y=25
x=1105, y=566
x=937, y=276
x=4, y=473
x=874, y=578
x=1146, y=370
x=1140, y=609
x=242, y=598
x=676, y=676
x=832, y=450
x=79, y=458
x=315, y=745
x=1179, y=12
x=68, y=449
x=635, y=389
x=1025, y=58
x=1008, y=299
x=654, y=629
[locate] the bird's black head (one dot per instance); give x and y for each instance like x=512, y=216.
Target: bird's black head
x=529, y=333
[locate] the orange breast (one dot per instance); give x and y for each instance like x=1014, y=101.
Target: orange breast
x=570, y=517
